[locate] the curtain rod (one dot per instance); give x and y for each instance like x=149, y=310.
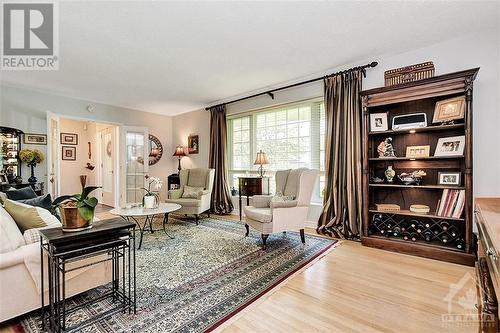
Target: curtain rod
x=271, y=91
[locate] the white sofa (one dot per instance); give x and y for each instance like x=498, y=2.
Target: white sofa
x=20, y=272
x=200, y=178
x=286, y=211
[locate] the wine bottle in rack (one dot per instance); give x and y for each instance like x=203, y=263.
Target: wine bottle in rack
x=460, y=244
x=396, y=231
x=428, y=235
x=406, y=236
x=444, y=225
x=453, y=231
x=413, y=236
x=445, y=239
x=404, y=225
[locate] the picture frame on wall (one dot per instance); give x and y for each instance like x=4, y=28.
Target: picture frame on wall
x=193, y=144
x=451, y=146
x=68, y=153
x=418, y=151
x=35, y=139
x=378, y=122
x=69, y=139
x=449, y=110
x=449, y=178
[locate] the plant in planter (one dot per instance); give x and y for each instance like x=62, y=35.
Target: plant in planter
x=77, y=210
x=31, y=158
x=152, y=197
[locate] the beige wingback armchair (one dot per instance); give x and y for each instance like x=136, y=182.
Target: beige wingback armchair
x=285, y=211
x=195, y=192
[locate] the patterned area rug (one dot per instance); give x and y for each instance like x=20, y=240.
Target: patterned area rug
x=198, y=280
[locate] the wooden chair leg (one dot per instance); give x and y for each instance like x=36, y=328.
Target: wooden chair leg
x=197, y=219
x=208, y=213
x=302, y=236
x=264, y=240
x=248, y=230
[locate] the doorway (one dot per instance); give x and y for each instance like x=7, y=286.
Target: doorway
x=83, y=152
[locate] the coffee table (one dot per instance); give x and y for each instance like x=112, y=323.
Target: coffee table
x=148, y=214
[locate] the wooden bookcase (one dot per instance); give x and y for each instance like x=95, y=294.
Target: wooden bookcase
x=419, y=96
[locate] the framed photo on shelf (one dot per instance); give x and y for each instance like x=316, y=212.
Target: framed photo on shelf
x=68, y=153
x=35, y=139
x=451, y=146
x=378, y=122
x=449, y=110
x=449, y=178
x=418, y=151
x=69, y=139
x=3, y=178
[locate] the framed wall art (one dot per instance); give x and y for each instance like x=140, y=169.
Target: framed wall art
x=35, y=139
x=378, y=122
x=68, y=153
x=69, y=139
x=452, y=146
x=449, y=178
x=449, y=109
x=193, y=144
x=418, y=151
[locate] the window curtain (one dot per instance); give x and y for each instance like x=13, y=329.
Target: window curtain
x=221, y=197
x=342, y=203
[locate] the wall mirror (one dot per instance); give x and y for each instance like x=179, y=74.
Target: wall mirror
x=155, y=150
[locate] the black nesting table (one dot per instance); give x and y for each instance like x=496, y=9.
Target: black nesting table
x=109, y=240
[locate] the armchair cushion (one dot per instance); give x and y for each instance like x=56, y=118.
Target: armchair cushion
x=282, y=202
x=175, y=194
x=261, y=201
x=263, y=215
x=185, y=202
x=197, y=178
x=192, y=192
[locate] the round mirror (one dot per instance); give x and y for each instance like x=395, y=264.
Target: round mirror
x=155, y=149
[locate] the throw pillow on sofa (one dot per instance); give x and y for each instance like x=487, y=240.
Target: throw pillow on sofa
x=10, y=236
x=44, y=201
x=192, y=192
x=21, y=194
x=29, y=217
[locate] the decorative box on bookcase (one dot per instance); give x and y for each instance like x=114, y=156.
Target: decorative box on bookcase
x=423, y=234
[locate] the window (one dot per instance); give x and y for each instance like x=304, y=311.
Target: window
x=292, y=136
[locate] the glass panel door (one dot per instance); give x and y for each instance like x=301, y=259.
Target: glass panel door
x=136, y=163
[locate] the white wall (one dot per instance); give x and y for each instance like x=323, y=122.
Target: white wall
x=473, y=50
x=27, y=110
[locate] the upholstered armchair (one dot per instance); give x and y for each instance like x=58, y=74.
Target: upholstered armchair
x=285, y=211
x=195, y=192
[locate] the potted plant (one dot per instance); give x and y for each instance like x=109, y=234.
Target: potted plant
x=31, y=158
x=152, y=197
x=77, y=211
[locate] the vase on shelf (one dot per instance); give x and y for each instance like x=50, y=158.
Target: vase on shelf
x=32, y=179
x=389, y=174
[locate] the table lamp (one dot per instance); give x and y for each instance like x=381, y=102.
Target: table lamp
x=261, y=159
x=179, y=152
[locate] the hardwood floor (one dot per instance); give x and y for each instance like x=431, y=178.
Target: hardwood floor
x=360, y=289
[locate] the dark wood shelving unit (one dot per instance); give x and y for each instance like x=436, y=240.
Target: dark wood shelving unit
x=418, y=130
x=443, y=238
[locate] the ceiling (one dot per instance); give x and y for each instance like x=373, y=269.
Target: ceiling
x=175, y=57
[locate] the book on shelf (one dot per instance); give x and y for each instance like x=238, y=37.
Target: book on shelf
x=451, y=204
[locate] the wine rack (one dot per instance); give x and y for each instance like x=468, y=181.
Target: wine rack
x=436, y=231
x=422, y=234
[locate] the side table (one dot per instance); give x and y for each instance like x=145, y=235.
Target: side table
x=110, y=240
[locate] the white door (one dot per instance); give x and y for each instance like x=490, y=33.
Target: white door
x=53, y=187
x=107, y=166
x=134, y=163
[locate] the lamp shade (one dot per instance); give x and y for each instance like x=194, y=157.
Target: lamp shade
x=261, y=158
x=179, y=151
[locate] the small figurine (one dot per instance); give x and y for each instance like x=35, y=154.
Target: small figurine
x=385, y=148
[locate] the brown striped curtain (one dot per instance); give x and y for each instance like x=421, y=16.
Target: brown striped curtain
x=342, y=210
x=221, y=196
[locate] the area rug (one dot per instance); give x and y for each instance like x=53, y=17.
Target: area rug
x=199, y=279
